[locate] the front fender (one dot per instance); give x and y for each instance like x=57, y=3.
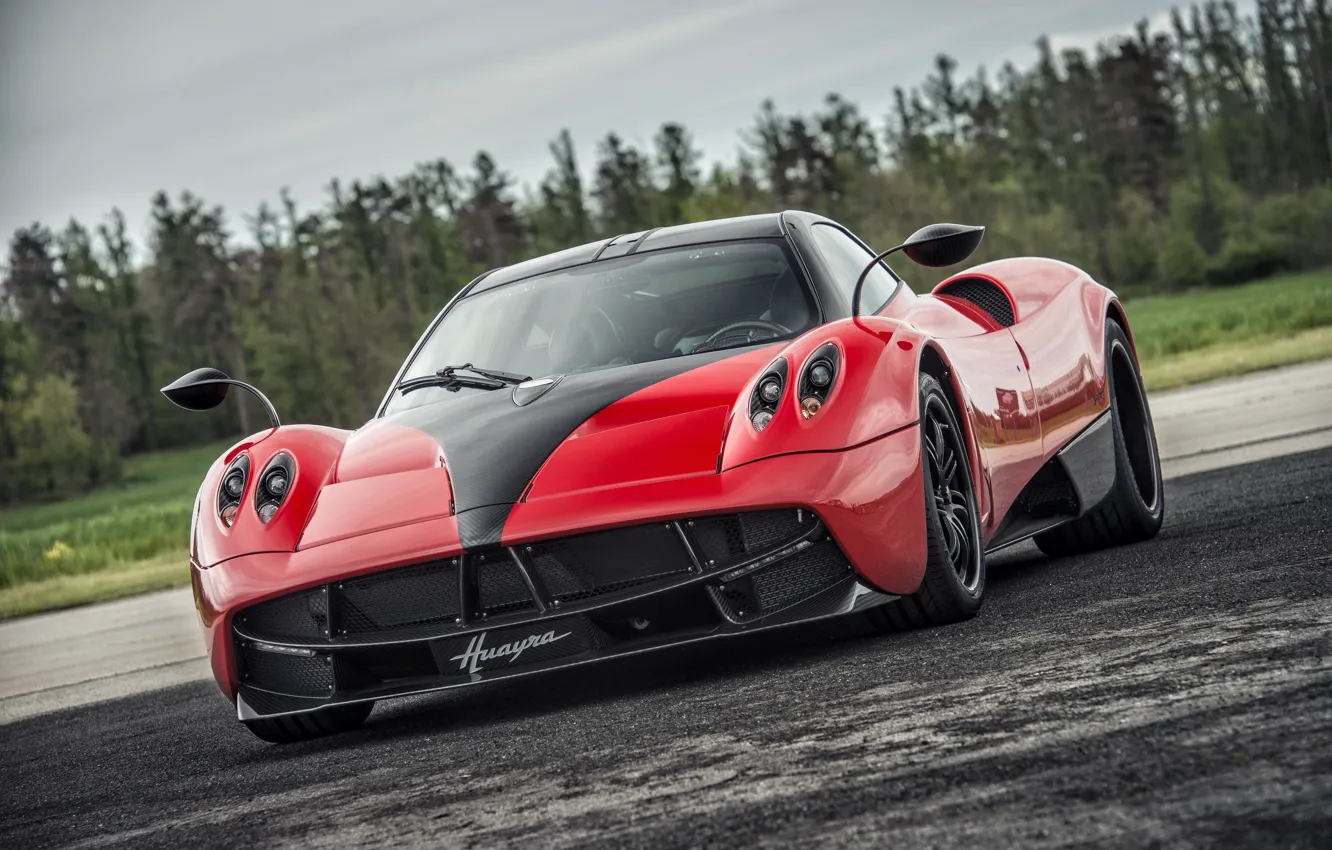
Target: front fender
x=876, y=393
x=315, y=450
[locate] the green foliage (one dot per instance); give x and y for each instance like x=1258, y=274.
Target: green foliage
x=58, y=458
x=121, y=535
x=1183, y=261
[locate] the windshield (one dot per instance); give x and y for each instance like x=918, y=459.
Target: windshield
x=631, y=309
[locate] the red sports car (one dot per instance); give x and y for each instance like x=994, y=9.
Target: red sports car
x=667, y=437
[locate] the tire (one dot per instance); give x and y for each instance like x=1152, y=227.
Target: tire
x=954, y=583
x=1135, y=506
x=311, y=724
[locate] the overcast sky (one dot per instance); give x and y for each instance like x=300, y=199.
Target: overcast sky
x=103, y=103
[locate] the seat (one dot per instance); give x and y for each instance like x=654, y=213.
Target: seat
x=788, y=304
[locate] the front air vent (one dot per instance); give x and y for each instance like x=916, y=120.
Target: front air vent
x=984, y=294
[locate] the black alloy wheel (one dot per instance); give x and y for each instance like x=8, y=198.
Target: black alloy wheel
x=954, y=583
x=953, y=497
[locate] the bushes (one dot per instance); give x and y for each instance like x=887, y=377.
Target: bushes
x=52, y=457
x=1285, y=232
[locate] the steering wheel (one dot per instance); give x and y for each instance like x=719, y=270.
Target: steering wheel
x=740, y=332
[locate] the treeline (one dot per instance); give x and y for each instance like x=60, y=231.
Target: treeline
x=1200, y=155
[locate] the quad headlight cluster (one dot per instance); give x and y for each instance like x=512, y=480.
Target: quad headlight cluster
x=818, y=377
x=813, y=388
x=271, y=491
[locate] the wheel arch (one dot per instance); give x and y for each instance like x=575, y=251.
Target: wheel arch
x=1115, y=310
x=935, y=363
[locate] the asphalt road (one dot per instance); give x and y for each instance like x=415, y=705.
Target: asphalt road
x=1173, y=693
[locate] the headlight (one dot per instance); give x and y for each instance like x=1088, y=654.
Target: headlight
x=818, y=377
x=232, y=489
x=276, y=482
x=768, y=394
x=234, y=484
x=820, y=374
x=274, y=485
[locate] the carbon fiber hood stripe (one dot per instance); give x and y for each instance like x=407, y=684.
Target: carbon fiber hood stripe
x=493, y=448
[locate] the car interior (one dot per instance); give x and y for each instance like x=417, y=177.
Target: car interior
x=627, y=310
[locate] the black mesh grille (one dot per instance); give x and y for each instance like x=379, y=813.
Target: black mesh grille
x=803, y=575
x=422, y=601
x=984, y=295
x=500, y=585
x=300, y=675
x=1048, y=494
x=302, y=616
x=720, y=539
x=726, y=539
x=398, y=599
x=784, y=583
x=765, y=529
x=607, y=561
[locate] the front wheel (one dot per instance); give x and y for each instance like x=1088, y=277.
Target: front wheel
x=954, y=582
x=290, y=728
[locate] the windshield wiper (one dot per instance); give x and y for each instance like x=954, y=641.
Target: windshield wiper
x=493, y=374
x=450, y=379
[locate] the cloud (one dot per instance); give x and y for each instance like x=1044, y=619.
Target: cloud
x=101, y=105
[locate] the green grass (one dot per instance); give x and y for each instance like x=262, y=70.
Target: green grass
x=1221, y=361
x=132, y=538
x=143, y=519
x=66, y=591
x=1167, y=326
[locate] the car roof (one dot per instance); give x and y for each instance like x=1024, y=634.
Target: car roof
x=764, y=226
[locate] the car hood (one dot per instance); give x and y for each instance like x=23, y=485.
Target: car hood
x=594, y=429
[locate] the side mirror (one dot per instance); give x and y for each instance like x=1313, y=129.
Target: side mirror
x=939, y=245
x=204, y=389
x=935, y=246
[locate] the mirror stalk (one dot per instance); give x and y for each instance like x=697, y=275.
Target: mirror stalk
x=204, y=389
x=935, y=246
x=263, y=400
x=864, y=275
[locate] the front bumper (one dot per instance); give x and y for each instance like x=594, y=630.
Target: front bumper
x=374, y=646
x=399, y=612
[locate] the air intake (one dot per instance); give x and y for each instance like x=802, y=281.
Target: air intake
x=984, y=294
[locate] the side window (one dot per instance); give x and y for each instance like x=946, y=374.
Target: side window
x=846, y=259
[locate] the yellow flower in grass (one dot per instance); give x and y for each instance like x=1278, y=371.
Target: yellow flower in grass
x=59, y=549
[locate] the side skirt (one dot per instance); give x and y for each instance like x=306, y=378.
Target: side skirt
x=1073, y=482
